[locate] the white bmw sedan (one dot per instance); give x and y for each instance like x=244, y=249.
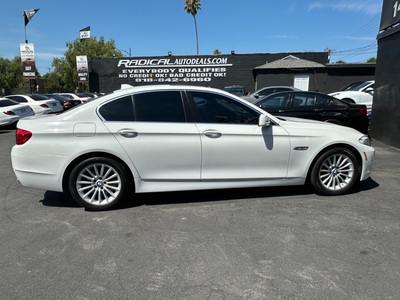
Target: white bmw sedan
x=174, y=138
x=39, y=103
x=11, y=111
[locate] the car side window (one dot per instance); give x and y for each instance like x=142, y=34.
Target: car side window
x=19, y=99
x=279, y=101
x=7, y=102
x=118, y=110
x=269, y=91
x=214, y=108
x=164, y=106
x=301, y=100
x=322, y=100
x=337, y=103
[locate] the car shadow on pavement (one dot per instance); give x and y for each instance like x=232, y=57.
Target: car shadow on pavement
x=233, y=194
x=58, y=199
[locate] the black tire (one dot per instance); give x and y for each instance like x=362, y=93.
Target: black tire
x=98, y=183
x=335, y=172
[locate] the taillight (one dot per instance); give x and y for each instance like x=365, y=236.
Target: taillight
x=44, y=105
x=22, y=136
x=9, y=112
x=363, y=111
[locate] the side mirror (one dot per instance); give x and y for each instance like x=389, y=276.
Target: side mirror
x=264, y=121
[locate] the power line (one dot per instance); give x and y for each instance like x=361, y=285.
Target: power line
x=358, y=36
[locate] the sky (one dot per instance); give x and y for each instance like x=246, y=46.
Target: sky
x=348, y=28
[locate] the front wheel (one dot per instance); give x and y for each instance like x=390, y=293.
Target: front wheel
x=98, y=183
x=335, y=172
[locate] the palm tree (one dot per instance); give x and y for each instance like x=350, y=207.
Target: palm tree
x=191, y=7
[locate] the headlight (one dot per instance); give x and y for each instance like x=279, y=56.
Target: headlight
x=365, y=140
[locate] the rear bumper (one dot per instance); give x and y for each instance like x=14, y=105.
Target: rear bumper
x=37, y=172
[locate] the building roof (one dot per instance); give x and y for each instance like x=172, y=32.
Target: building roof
x=291, y=62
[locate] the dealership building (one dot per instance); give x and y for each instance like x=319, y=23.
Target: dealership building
x=305, y=70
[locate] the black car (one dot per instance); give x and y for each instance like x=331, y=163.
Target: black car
x=65, y=101
x=266, y=91
x=316, y=106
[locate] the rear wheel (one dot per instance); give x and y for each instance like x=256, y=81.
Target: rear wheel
x=335, y=172
x=98, y=183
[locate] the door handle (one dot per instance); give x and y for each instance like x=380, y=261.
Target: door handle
x=128, y=133
x=212, y=134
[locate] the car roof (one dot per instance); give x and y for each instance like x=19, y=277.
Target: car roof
x=306, y=92
x=162, y=87
x=127, y=89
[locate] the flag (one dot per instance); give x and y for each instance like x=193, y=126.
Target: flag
x=28, y=14
x=84, y=33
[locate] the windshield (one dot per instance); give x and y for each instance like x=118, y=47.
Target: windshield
x=357, y=86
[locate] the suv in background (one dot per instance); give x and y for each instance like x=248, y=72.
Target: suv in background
x=361, y=92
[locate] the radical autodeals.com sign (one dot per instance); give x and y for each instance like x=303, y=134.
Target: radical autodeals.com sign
x=173, y=70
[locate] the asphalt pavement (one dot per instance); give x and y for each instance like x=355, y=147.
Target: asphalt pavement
x=267, y=243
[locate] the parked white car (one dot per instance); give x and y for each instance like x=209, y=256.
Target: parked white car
x=74, y=96
x=39, y=103
x=11, y=111
x=361, y=92
x=176, y=137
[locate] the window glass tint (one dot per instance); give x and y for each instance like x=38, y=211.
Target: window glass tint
x=214, y=108
x=18, y=99
x=269, y=91
x=165, y=106
x=6, y=102
x=359, y=86
x=337, y=103
x=38, y=97
x=118, y=110
x=303, y=99
x=275, y=102
x=323, y=100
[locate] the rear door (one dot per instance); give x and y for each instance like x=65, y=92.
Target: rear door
x=152, y=128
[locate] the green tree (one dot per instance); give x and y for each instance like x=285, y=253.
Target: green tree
x=10, y=73
x=65, y=77
x=191, y=7
x=371, y=60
